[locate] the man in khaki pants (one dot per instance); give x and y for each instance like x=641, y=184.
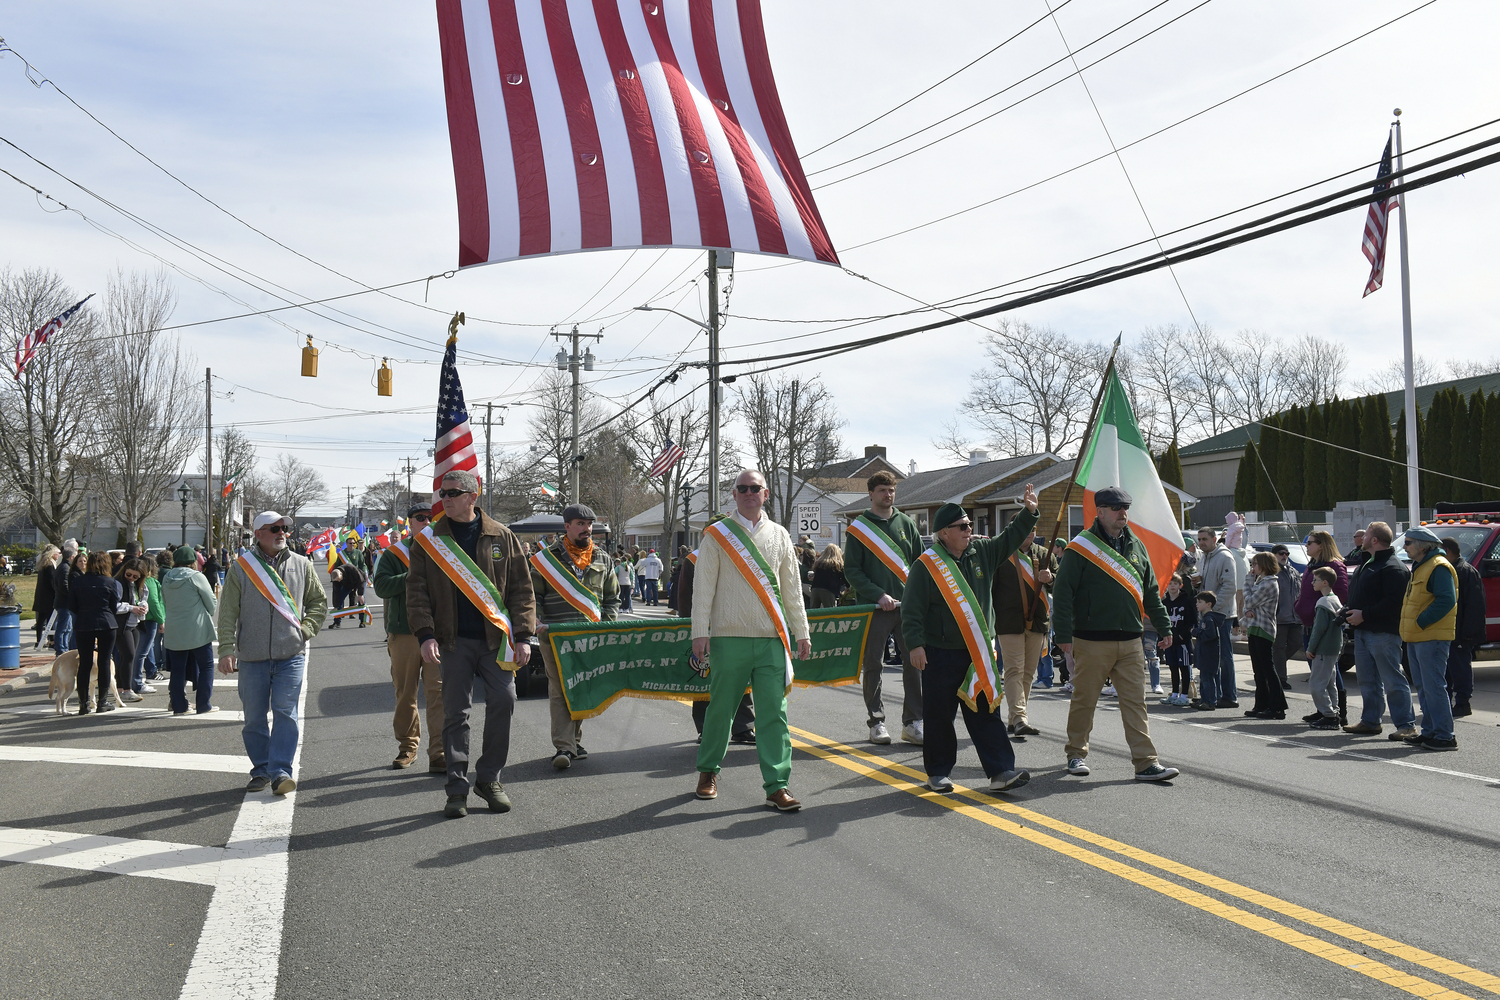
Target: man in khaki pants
x=407, y=667
x=1022, y=592
x=1105, y=590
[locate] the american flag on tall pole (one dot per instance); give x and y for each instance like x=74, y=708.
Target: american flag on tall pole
x=28, y=346
x=1377, y=223
x=670, y=456
x=454, y=445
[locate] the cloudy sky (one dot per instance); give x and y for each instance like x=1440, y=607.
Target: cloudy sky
x=324, y=126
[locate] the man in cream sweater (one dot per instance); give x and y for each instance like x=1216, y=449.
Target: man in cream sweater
x=747, y=591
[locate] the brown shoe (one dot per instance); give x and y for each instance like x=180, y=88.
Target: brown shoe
x=708, y=785
x=1363, y=729
x=782, y=801
x=438, y=765
x=404, y=759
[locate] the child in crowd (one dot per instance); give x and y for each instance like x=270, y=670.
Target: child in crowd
x=1323, y=648
x=1206, y=652
x=1183, y=612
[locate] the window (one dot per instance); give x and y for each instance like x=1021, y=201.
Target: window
x=922, y=522
x=1075, y=519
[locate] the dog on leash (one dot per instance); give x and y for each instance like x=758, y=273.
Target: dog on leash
x=65, y=678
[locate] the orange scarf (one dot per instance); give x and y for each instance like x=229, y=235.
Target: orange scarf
x=580, y=557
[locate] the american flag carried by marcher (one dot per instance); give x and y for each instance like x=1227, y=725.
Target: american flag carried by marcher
x=1377, y=223
x=670, y=456
x=454, y=445
x=28, y=346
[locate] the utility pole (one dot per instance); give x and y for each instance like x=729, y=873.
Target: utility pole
x=408, y=468
x=1413, y=478
x=713, y=382
x=348, y=503
x=489, y=504
x=575, y=364
x=395, y=495
x=209, y=505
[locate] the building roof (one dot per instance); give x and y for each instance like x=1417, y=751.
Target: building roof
x=1234, y=439
x=940, y=486
x=854, y=468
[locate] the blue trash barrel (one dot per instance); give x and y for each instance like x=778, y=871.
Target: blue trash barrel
x=10, y=638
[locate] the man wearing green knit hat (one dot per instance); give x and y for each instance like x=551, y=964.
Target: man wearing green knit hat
x=945, y=616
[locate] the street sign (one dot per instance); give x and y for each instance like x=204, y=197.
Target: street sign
x=809, y=518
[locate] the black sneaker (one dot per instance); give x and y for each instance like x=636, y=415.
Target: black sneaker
x=457, y=807
x=1433, y=743
x=1314, y=717
x=1157, y=773
x=562, y=760
x=105, y=706
x=258, y=784
x=1221, y=703
x=1462, y=710
x=494, y=793
x=1324, y=722
x=747, y=738
x=579, y=753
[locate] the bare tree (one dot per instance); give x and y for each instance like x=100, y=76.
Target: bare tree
x=1159, y=361
x=293, y=484
x=1036, y=390
x=1392, y=376
x=684, y=423
x=551, y=426
x=612, y=480
x=237, y=460
x=48, y=415
x=1317, y=367
x=1259, y=377
x=1206, y=357
x=793, y=426
x=152, y=410
x=383, y=496
x=1473, y=367
x=953, y=442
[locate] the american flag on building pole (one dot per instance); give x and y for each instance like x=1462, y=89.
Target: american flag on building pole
x=28, y=346
x=1377, y=223
x=454, y=446
x=620, y=123
x=670, y=456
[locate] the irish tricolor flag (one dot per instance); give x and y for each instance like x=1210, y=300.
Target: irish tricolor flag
x=1117, y=456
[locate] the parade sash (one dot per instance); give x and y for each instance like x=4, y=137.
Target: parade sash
x=693, y=557
x=966, y=610
x=740, y=548
x=350, y=612
x=402, y=553
x=1026, y=570
x=879, y=543
x=559, y=573
x=1099, y=552
x=471, y=582
x=266, y=580
x=600, y=663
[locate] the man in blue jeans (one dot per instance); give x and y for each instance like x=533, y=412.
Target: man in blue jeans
x=1376, y=592
x=272, y=604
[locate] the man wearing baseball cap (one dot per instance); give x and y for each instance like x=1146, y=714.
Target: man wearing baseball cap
x=408, y=669
x=573, y=580
x=272, y=604
x=1105, y=596
x=470, y=605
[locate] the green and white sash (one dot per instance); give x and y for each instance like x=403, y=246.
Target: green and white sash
x=1115, y=566
x=471, y=582
x=967, y=612
x=560, y=574
x=746, y=558
x=266, y=580
x=878, y=542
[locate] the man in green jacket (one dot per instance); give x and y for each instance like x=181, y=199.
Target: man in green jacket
x=408, y=669
x=946, y=649
x=878, y=537
x=1022, y=593
x=1105, y=589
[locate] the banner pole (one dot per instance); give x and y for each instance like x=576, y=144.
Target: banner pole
x=1088, y=435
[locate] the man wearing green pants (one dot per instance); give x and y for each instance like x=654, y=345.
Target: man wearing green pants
x=747, y=591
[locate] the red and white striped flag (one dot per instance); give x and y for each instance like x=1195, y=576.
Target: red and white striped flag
x=454, y=444
x=1377, y=223
x=590, y=124
x=670, y=456
x=27, y=347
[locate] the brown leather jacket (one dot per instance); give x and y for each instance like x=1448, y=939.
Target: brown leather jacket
x=432, y=599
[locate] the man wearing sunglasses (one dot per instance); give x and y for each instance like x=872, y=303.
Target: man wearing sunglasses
x=747, y=590
x=455, y=630
x=1104, y=596
x=408, y=669
x=272, y=604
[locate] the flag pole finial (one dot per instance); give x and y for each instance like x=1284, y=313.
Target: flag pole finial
x=454, y=324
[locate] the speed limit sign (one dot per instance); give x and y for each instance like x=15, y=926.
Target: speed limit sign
x=809, y=518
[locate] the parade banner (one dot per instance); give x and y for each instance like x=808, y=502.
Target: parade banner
x=645, y=658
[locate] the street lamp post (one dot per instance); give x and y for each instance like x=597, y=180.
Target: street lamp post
x=185, y=492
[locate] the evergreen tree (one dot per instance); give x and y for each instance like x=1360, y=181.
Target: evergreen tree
x=1270, y=455
x=1315, y=461
x=1470, y=433
x=1244, y=479
x=1344, y=460
x=1170, y=466
x=1375, y=444
x=1289, y=475
x=1489, y=448
x=1398, y=472
x=1435, y=451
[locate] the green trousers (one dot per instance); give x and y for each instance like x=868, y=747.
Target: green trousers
x=735, y=663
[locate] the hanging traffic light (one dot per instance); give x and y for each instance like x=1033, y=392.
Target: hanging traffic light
x=309, y=360
x=383, y=377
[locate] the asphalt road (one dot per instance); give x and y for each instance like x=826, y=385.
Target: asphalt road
x=1282, y=863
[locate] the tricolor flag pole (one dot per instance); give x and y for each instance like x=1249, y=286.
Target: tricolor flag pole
x=1412, y=479
x=1088, y=435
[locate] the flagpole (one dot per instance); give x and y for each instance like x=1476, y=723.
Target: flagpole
x=1413, y=480
x=1088, y=434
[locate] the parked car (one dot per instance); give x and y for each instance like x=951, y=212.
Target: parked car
x=1297, y=551
x=1476, y=529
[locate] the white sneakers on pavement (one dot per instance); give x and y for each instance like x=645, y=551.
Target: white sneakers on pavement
x=879, y=734
x=940, y=784
x=1109, y=691
x=1067, y=688
x=1006, y=780
x=131, y=696
x=1077, y=766
x=912, y=733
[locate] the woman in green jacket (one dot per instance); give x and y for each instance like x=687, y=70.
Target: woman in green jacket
x=190, y=614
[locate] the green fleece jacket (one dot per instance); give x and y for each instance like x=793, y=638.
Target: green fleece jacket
x=925, y=618
x=1088, y=603
x=870, y=577
x=390, y=584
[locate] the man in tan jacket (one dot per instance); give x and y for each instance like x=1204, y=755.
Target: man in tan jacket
x=748, y=592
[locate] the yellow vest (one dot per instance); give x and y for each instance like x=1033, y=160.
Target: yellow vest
x=1417, y=600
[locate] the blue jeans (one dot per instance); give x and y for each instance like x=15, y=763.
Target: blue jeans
x=1377, y=664
x=650, y=594
x=1429, y=670
x=1153, y=662
x=158, y=654
x=62, y=631
x=271, y=687
x=1044, y=673
x=145, y=651
x=1229, y=689
x=1208, y=673
x=196, y=665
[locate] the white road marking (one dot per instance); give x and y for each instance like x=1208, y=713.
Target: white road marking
x=112, y=855
x=48, y=708
x=226, y=763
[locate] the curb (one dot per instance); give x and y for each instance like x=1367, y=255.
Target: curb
x=38, y=672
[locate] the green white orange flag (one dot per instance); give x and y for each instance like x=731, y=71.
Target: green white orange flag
x=1117, y=456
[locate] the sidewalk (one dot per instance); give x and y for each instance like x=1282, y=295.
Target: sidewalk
x=35, y=666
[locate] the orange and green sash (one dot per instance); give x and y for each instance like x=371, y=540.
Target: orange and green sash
x=878, y=542
x=1115, y=566
x=402, y=553
x=471, y=582
x=560, y=574
x=982, y=677
x=266, y=580
x=740, y=548
x=1026, y=570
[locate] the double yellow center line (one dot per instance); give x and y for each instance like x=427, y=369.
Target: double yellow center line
x=994, y=812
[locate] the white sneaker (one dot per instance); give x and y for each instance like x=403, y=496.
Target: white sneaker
x=1067, y=688
x=1077, y=766
x=148, y=689
x=912, y=733
x=879, y=734
x=130, y=696
x=940, y=784
x=1109, y=691
x=1156, y=689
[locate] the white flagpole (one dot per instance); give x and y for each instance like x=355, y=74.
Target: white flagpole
x=1412, y=479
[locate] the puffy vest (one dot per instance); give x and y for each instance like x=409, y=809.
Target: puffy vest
x=1418, y=598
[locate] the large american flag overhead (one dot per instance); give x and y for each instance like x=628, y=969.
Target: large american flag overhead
x=454, y=446
x=589, y=124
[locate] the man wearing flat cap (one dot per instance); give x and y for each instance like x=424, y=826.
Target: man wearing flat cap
x=408, y=669
x=946, y=619
x=574, y=580
x=1105, y=595
x=469, y=603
